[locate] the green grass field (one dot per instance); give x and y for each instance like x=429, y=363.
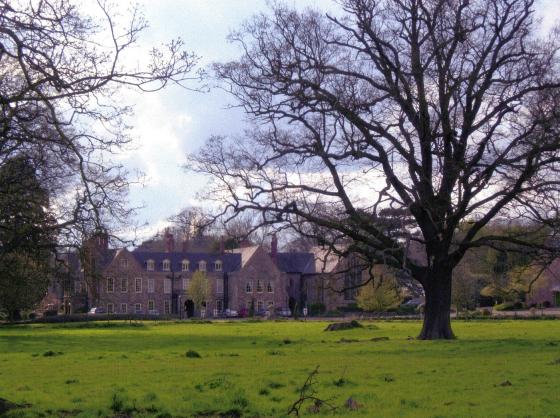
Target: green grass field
x=494, y=369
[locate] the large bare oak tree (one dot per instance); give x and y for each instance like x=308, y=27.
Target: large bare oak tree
x=444, y=109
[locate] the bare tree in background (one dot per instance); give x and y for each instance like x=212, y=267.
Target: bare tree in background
x=197, y=222
x=447, y=109
x=192, y=222
x=62, y=75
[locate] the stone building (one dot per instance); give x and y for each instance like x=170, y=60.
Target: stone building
x=154, y=279
x=157, y=282
x=333, y=280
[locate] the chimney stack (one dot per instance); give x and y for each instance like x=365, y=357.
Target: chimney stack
x=169, y=241
x=222, y=246
x=274, y=248
x=185, y=242
x=99, y=241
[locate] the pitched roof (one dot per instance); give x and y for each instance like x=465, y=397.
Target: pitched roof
x=245, y=252
x=296, y=262
x=230, y=262
x=325, y=261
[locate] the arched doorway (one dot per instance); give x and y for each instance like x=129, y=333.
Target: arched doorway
x=189, y=308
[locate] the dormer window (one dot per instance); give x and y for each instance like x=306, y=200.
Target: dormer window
x=185, y=265
x=150, y=265
x=269, y=287
x=249, y=287
x=202, y=265
x=218, y=266
x=259, y=286
x=124, y=263
x=166, y=265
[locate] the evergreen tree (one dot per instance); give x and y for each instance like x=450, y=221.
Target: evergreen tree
x=27, y=240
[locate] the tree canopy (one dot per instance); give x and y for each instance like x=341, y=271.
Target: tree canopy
x=444, y=109
x=198, y=289
x=62, y=72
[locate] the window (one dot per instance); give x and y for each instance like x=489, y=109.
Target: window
x=218, y=266
x=138, y=308
x=185, y=265
x=219, y=285
x=269, y=287
x=110, y=285
x=185, y=284
x=151, y=305
x=124, y=263
x=124, y=307
x=202, y=265
x=78, y=286
x=167, y=286
x=124, y=285
x=259, y=286
x=110, y=308
x=352, y=278
x=150, y=264
x=219, y=305
x=249, y=287
x=166, y=265
x=166, y=307
x=151, y=286
x=260, y=306
x=138, y=285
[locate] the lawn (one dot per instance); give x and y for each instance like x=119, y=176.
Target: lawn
x=494, y=369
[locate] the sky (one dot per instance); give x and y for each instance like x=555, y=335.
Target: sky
x=174, y=122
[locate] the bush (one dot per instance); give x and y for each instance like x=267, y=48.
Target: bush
x=317, y=309
x=352, y=307
x=406, y=309
x=506, y=306
x=120, y=405
x=51, y=353
x=51, y=312
x=192, y=354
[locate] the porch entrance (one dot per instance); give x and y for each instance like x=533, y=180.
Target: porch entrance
x=189, y=308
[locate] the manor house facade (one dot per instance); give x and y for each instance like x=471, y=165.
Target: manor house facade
x=155, y=280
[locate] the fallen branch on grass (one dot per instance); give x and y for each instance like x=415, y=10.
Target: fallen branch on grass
x=308, y=393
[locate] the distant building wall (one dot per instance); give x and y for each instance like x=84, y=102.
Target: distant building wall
x=259, y=280
x=547, y=288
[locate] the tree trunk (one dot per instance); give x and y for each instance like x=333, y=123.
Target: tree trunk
x=437, y=309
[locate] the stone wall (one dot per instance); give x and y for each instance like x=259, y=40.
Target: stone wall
x=259, y=269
